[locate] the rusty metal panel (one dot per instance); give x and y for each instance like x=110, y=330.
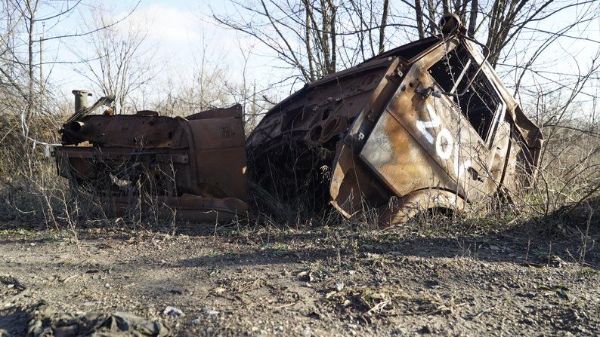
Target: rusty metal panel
x=220, y=157
x=131, y=131
x=292, y=149
x=425, y=142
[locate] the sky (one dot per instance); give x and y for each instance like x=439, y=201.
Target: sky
x=181, y=35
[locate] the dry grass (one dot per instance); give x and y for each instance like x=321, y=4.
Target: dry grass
x=31, y=192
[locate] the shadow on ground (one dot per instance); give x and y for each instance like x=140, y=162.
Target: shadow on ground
x=13, y=321
x=569, y=234
x=550, y=240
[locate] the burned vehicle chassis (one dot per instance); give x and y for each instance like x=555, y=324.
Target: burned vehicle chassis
x=193, y=167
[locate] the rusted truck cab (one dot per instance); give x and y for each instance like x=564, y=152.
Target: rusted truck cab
x=426, y=125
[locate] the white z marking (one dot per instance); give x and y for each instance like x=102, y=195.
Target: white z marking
x=444, y=142
x=434, y=122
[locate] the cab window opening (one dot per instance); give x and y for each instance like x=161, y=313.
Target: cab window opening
x=480, y=101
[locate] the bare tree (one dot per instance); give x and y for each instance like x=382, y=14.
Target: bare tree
x=314, y=37
x=207, y=88
x=28, y=113
x=27, y=26
x=120, y=65
x=308, y=35
x=500, y=22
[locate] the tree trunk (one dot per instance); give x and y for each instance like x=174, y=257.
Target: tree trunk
x=30, y=93
x=383, y=25
x=431, y=8
x=473, y=18
x=307, y=37
x=333, y=37
x=419, y=15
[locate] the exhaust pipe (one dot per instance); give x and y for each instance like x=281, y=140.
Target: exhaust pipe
x=81, y=101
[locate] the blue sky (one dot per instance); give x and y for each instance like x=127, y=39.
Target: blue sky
x=180, y=36
x=182, y=33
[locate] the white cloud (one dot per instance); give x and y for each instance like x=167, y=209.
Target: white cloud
x=178, y=36
x=167, y=25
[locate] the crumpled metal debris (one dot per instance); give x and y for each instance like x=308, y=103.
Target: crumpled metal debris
x=116, y=324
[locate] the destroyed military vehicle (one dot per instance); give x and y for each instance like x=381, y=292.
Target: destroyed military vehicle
x=423, y=126
x=194, y=165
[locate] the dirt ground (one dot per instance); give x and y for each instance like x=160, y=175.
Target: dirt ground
x=522, y=280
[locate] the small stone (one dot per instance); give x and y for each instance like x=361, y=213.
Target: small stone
x=211, y=312
x=330, y=294
x=526, y=320
x=173, y=312
x=304, y=276
x=262, y=333
x=339, y=286
x=425, y=329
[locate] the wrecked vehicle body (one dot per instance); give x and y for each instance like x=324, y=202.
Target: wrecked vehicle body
x=425, y=125
x=194, y=166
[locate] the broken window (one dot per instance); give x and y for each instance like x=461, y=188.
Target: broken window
x=459, y=74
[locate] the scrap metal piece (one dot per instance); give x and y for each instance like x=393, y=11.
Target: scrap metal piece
x=195, y=165
x=426, y=125
x=81, y=104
